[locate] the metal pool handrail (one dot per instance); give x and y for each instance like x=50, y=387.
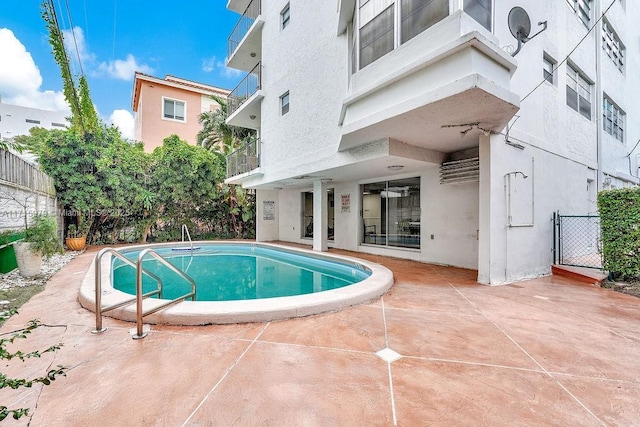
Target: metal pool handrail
x=139, y=312
x=186, y=230
x=98, y=285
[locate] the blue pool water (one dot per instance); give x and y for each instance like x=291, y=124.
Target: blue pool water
x=238, y=272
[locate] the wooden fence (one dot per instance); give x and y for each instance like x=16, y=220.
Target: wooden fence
x=16, y=172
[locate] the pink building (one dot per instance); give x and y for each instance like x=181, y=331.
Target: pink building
x=170, y=106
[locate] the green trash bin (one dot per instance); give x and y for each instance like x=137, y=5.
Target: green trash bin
x=7, y=255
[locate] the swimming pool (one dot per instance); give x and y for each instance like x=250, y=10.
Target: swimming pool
x=243, y=282
x=238, y=272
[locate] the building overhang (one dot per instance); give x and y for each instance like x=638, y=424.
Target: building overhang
x=238, y=6
x=247, y=115
x=369, y=161
x=438, y=90
x=249, y=51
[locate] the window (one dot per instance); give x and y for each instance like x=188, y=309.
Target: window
x=548, y=66
x=377, y=37
x=173, y=109
x=391, y=213
x=578, y=92
x=583, y=9
x=612, y=45
x=58, y=125
x=480, y=10
x=285, y=16
x=613, y=119
x=307, y=214
x=376, y=22
x=37, y=122
x=284, y=104
x=418, y=15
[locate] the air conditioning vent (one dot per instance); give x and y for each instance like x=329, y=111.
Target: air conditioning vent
x=460, y=171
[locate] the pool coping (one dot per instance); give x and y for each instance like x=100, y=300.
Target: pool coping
x=242, y=311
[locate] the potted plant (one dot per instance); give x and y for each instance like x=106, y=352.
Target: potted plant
x=76, y=238
x=41, y=241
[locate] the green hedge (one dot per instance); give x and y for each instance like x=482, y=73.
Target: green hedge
x=620, y=231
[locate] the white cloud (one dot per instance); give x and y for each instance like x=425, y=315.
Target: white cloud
x=123, y=120
x=124, y=69
x=86, y=57
x=213, y=63
x=20, y=82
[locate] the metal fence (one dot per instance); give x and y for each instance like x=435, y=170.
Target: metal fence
x=577, y=240
x=247, y=87
x=243, y=25
x=244, y=159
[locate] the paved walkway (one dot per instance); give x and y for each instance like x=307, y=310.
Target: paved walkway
x=543, y=352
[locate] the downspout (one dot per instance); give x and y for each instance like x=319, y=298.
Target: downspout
x=598, y=97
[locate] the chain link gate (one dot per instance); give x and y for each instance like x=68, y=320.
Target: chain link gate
x=576, y=240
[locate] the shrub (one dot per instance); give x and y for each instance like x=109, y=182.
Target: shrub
x=620, y=231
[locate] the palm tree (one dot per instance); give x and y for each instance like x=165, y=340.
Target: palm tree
x=216, y=134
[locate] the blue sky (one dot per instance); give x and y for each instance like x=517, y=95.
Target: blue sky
x=115, y=38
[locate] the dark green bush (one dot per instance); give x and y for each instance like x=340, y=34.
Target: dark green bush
x=620, y=231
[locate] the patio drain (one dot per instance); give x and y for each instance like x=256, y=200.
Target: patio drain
x=388, y=355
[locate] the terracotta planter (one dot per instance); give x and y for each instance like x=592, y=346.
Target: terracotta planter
x=29, y=263
x=76, y=243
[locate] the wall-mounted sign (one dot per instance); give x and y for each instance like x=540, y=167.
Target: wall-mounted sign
x=346, y=203
x=268, y=210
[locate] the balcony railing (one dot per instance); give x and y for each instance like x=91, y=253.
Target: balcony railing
x=244, y=159
x=247, y=87
x=244, y=24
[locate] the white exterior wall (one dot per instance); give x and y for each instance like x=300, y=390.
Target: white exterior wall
x=563, y=151
x=308, y=133
x=13, y=120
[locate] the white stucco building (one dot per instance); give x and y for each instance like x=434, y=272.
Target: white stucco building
x=406, y=127
x=17, y=120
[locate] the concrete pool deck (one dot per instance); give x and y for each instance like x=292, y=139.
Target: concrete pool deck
x=549, y=351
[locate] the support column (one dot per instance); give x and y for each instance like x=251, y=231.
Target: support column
x=320, y=216
x=492, y=262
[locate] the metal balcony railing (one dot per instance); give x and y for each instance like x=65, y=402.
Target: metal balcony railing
x=247, y=87
x=244, y=24
x=244, y=159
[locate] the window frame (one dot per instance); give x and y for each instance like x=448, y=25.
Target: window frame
x=613, y=116
x=491, y=14
x=549, y=75
x=285, y=16
x=582, y=8
x=581, y=82
x=284, y=106
x=612, y=45
x=174, y=119
x=399, y=224
x=397, y=19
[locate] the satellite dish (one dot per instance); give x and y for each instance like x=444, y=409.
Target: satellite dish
x=520, y=27
x=519, y=23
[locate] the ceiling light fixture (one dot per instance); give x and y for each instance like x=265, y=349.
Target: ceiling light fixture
x=395, y=167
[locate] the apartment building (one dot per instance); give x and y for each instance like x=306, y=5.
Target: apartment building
x=417, y=129
x=163, y=107
x=17, y=120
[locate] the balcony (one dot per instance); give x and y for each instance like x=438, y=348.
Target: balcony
x=245, y=159
x=439, y=90
x=244, y=101
x=244, y=45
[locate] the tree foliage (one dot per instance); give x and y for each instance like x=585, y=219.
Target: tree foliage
x=15, y=383
x=216, y=134
x=620, y=231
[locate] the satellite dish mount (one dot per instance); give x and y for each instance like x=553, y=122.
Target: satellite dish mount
x=520, y=27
